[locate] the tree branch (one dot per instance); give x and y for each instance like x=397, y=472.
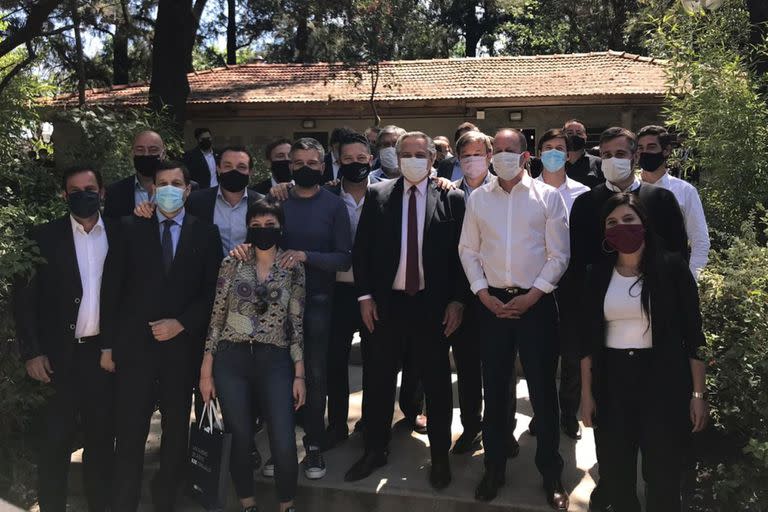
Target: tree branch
x=31, y=55
x=38, y=15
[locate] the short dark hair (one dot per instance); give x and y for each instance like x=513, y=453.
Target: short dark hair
x=617, y=131
x=200, y=131
x=272, y=145
x=554, y=133
x=309, y=144
x=169, y=165
x=574, y=120
x=520, y=135
x=356, y=138
x=665, y=138
x=265, y=206
x=464, y=128
x=341, y=133
x=237, y=149
x=80, y=168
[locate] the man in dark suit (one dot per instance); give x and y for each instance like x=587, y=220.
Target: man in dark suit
x=617, y=149
x=58, y=325
x=124, y=195
x=201, y=160
x=410, y=287
x=449, y=168
x=332, y=164
x=581, y=166
x=163, y=284
x=277, y=154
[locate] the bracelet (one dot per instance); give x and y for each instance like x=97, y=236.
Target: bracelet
x=696, y=394
x=299, y=377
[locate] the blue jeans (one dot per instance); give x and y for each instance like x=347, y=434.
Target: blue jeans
x=242, y=371
x=317, y=332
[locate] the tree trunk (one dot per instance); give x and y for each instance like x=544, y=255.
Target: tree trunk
x=302, y=34
x=171, y=55
x=191, y=30
x=79, y=59
x=231, y=33
x=758, y=16
x=121, y=63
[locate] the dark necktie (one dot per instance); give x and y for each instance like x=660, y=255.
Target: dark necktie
x=412, y=248
x=167, y=243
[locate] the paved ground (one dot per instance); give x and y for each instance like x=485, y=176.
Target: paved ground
x=402, y=485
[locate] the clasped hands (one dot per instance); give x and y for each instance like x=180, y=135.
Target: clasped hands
x=515, y=308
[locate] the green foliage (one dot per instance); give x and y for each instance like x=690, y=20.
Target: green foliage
x=734, y=299
x=715, y=103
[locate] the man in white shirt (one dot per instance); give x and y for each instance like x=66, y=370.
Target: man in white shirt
x=514, y=248
x=653, y=148
x=59, y=322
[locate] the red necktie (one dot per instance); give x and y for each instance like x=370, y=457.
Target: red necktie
x=412, y=249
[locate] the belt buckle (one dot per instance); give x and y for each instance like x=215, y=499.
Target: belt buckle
x=514, y=291
x=81, y=341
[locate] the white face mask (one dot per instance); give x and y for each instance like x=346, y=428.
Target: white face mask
x=473, y=166
x=507, y=165
x=617, y=170
x=414, y=169
x=388, y=157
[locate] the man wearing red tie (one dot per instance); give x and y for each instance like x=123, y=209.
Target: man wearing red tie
x=410, y=288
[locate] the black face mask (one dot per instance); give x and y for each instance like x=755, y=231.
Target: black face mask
x=651, y=161
x=146, y=165
x=281, y=171
x=233, y=181
x=205, y=144
x=307, y=177
x=355, y=172
x=263, y=238
x=83, y=203
x=577, y=143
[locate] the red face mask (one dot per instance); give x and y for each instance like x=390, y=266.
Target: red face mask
x=625, y=238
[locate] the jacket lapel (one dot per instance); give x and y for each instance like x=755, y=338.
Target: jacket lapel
x=69, y=254
x=184, y=241
x=432, y=197
x=395, y=207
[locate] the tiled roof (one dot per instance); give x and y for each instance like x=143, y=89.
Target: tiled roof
x=572, y=75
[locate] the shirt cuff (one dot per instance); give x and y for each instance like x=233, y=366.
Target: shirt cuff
x=106, y=350
x=364, y=297
x=543, y=285
x=478, y=285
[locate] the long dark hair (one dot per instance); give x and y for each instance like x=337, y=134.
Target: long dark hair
x=648, y=267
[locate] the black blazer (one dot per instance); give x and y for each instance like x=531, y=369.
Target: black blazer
x=138, y=287
x=120, y=197
x=198, y=166
x=675, y=324
x=445, y=167
x=202, y=203
x=376, y=252
x=46, y=306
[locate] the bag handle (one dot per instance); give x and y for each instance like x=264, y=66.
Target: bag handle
x=211, y=411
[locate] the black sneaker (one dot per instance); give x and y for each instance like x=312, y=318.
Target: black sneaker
x=269, y=468
x=314, y=464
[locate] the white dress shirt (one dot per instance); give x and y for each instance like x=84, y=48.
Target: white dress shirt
x=569, y=191
x=91, y=249
x=634, y=186
x=695, y=222
x=626, y=324
x=421, y=211
x=516, y=239
x=354, y=209
x=211, y=161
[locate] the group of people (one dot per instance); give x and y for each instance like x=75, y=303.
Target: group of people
x=253, y=295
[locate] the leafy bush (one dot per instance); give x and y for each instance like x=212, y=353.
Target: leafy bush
x=734, y=299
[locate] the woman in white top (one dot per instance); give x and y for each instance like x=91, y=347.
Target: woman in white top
x=642, y=381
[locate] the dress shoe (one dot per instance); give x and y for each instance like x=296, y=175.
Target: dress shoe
x=571, y=427
x=513, y=447
x=532, y=427
x=468, y=442
x=557, y=497
x=489, y=486
x=365, y=466
x=420, y=424
x=440, y=472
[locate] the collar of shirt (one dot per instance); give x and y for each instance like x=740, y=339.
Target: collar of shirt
x=567, y=184
x=421, y=187
x=138, y=185
x=178, y=219
x=664, y=180
x=467, y=189
x=349, y=198
x=634, y=186
x=78, y=228
x=525, y=181
x=220, y=195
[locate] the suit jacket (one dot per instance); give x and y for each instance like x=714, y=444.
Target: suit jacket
x=202, y=203
x=676, y=325
x=198, y=166
x=46, y=306
x=138, y=287
x=445, y=167
x=328, y=170
x=376, y=252
x=120, y=197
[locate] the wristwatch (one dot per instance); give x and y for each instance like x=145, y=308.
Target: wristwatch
x=696, y=394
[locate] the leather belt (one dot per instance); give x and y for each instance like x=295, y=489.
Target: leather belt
x=512, y=291
x=86, y=339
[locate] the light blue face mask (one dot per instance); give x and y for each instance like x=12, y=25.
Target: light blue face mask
x=169, y=198
x=553, y=160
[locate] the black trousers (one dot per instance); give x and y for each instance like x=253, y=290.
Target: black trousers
x=164, y=376
x=345, y=322
x=534, y=335
x=465, y=344
x=408, y=328
x=631, y=417
x=82, y=397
